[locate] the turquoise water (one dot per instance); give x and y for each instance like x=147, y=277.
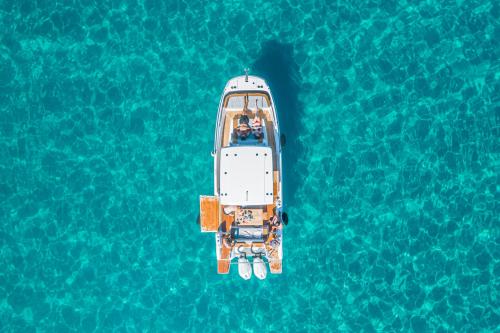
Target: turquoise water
x=392, y=116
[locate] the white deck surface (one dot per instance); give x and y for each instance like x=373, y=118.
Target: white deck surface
x=246, y=176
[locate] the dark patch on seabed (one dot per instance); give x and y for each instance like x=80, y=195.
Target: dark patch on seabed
x=277, y=66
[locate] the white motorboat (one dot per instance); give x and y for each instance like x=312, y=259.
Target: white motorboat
x=246, y=210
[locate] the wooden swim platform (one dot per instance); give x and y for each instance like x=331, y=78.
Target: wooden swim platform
x=209, y=213
x=224, y=262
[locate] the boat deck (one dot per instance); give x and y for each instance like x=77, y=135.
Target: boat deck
x=231, y=124
x=265, y=213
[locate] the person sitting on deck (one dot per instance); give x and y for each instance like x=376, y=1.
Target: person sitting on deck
x=243, y=129
x=257, y=128
x=275, y=221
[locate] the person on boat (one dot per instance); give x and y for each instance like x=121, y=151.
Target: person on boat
x=243, y=131
x=245, y=106
x=257, y=128
x=275, y=221
x=258, y=111
x=244, y=119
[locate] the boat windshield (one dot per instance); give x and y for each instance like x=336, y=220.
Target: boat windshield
x=255, y=101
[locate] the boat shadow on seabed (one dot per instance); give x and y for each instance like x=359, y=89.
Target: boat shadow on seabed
x=277, y=66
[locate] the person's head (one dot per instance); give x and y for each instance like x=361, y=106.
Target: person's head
x=244, y=119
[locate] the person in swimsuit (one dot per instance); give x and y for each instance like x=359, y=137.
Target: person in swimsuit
x=257, y=128
x=245, y=106
x=243, y=131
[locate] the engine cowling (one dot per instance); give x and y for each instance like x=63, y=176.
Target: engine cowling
x=259, y=268
x=244, y=268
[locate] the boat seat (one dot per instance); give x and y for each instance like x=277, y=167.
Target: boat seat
x=251, y=140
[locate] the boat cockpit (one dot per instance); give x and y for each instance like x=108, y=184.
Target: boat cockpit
x=247, y=120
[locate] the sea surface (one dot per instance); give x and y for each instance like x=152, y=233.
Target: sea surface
x=391, y=112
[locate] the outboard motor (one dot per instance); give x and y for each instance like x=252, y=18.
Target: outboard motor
x=259, y=268
x=244, y=268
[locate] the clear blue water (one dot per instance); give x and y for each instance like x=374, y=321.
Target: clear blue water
x=392, y=116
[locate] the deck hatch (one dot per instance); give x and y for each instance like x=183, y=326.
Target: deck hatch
x=246, y=176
